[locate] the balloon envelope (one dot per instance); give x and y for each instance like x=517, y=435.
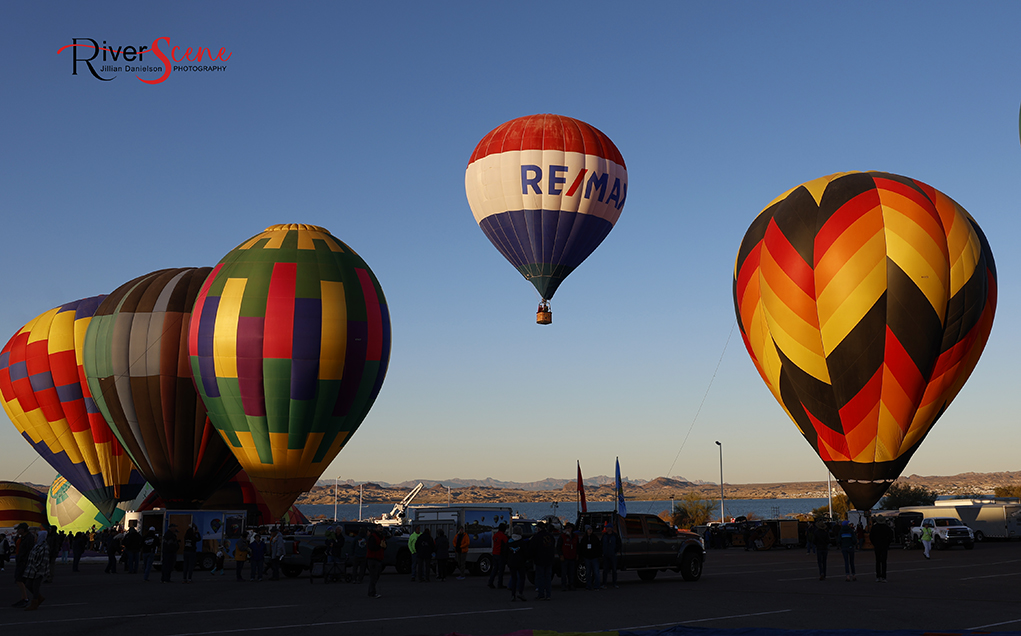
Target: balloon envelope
x=864, y=300
x=21, y=504
x=136, y=362
x=546, y=190
x=289, y=350
x=43, y=389
x=70, y=511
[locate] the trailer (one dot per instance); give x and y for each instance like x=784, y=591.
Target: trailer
x=992, y=518
x=219, y=528
x=479, y=522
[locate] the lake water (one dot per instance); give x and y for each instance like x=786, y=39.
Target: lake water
x=763, y=508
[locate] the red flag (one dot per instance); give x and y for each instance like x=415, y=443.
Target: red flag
x=581, y=490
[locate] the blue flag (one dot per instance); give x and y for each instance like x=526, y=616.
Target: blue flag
x=621, y=506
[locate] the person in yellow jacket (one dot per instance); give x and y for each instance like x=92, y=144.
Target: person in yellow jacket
x=926, y=540
x=240, y=556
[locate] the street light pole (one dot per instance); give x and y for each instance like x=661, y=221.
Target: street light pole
x=337, y=479
x=722, y=516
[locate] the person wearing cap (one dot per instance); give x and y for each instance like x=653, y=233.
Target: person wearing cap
x=24, y=543
x=567, y=548
x=590, y=549
x=37, y=568
x=543, y=549
x=149, y=543
x=517, y=562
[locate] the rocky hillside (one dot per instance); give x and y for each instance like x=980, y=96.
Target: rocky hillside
x=661, y=488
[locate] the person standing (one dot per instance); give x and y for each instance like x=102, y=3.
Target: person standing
x=567, y=548
x=461, y=543
x=412, y=547
x=424, y=549
x=499, y=540
x=132, y=547
x=359, y=553
x=374, y=560
x=881, y=537
x=810, y=538
x=37, y=568
x=78, y=544
x=543, y=549
x=611, y=548
x=517, y=562
x=590, y=549
x=822, y=545
x=24, y=542
x=276, y=553
x=189, y=552
x=241, y=549
x=926, y=540
x=441, y=553
x=150, y=542
x=258, y=554
x=169, y=553
x=113, y=550
x=848, y=542
x=5, y=551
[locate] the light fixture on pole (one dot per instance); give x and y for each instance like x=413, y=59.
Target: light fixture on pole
x=335, y=481
x=722, y=516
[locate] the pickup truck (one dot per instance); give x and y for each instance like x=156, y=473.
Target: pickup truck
x=649, y=545
x=300, y=550
x=947, y=531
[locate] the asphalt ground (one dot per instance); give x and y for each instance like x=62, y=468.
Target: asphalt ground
x=957, y=590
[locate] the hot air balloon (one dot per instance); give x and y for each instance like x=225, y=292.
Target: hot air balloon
x=865, y=300
x=289, y=349
x=546, y=190
x=70, y=511
x=136, y=363
x=21, y=504
x=43, y=389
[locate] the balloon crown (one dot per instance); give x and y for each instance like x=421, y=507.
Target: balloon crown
x=284, y=227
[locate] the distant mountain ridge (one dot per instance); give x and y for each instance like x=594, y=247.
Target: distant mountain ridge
x=550, y=483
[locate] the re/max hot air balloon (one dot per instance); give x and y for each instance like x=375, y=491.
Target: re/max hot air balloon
x=136, y=362
x=289, y=347
x=546, y=190
x=43, y=389
x=865, y=300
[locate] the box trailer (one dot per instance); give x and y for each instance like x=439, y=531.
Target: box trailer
x=218, y=528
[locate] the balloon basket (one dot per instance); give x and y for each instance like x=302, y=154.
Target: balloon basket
x=543, y=317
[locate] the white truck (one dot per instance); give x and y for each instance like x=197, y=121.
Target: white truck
x=480, y=522
x=947, y=532
x=217, y=527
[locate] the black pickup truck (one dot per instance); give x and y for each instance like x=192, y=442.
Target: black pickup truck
x=649, y=545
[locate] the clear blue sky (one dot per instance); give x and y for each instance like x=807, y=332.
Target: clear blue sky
x=361, y=117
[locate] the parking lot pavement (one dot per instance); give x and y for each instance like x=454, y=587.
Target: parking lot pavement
x=956, y=590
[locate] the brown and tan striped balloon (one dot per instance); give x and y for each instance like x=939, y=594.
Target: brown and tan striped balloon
x=865, y=300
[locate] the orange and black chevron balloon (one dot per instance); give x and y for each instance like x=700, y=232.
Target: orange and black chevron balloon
x=865, y=300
